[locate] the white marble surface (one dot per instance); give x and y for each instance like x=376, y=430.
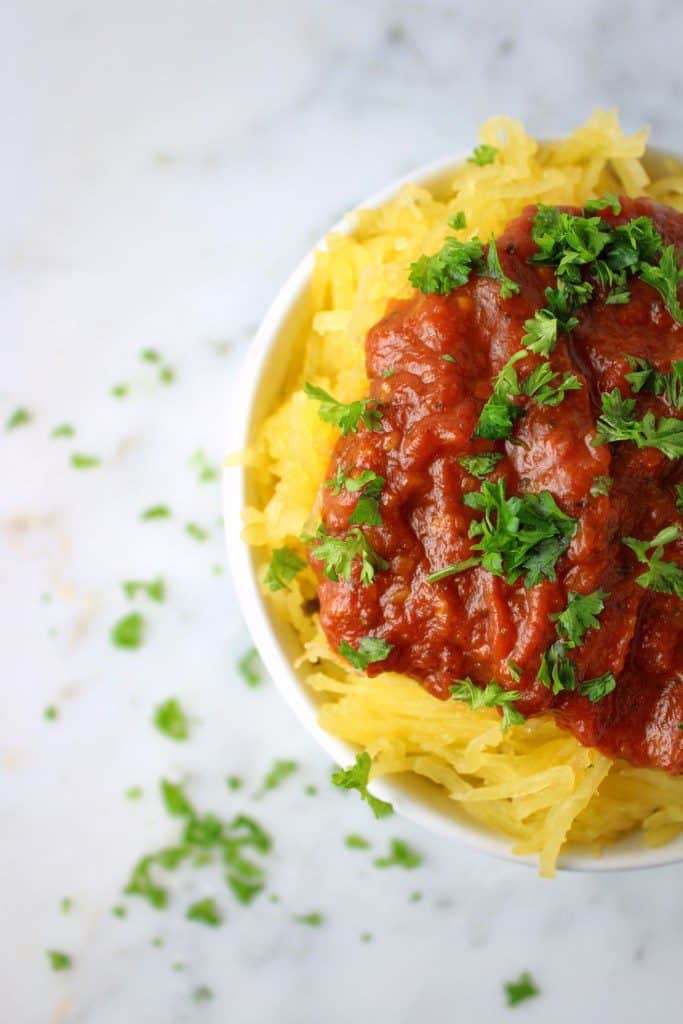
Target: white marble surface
x=164, y=164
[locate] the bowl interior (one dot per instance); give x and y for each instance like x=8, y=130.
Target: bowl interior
x=268, y=369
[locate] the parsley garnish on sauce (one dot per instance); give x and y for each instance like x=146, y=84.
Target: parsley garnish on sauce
x=661, y=576
x=369, y=484
x=598, y=688
x=370, y=650
x=170, y=719
x=339, y=553
x=283, y=567
x=518, y=991
x=619, y=422
x=347, y=417
x=480, y=465
x=644, y=377
x=579, y=616
x=129, y=631
x=356, y=777
x=490, y=696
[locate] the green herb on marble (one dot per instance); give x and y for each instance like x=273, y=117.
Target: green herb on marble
x=155, y=512
x=59, y=961
x=129, y=632
x=80, y=461
x=63, y=430
x=21, y=417
x=170, y=719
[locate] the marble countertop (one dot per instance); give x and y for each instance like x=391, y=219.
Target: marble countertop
x=164, y=166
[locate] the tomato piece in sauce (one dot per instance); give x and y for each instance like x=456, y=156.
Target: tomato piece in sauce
x=475, y=623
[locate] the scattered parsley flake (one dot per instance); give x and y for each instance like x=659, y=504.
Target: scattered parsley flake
x=170, y=719
x=515, y=670
x=66, y=905
x=665, y=278
x=448, y=358
x=520, y=990
x=339, y=553
x=483, y=155
x=453, y=570
x=356, y=842
x=154, y=589
x=245, y=891
x=606, y=202
x=311, y=790
x=557, y=671
x=155, y=512
x=283, y=567
x=206, y=470
x=494, y=270
x=250, y=667
x=63, y=430
x=59, y=961
x=202, y=994
x=644, y=377
x=416, y=897
x=480, y=465
x=356, y=777
x=119, y=911
x=679, y=498
x=601, y=485
x=167, y=375
x=134, y=793
x=346, y=416
x=662, y=576
x=19, y=418
x=366, y=937
x=205, y=912
x=234, y=782
x=492, y=695
x=51, y=713
x=370, y=650
x=80, y=461
x=448, y=268
x=400, y=855
x=119, y=391
x=150, y=355
x=314, y=919
x=175, y=801
x=196, y=531
x=598, y=688
x=129, y=631
x=458, y=221
x=280, y=771
x=387, y=372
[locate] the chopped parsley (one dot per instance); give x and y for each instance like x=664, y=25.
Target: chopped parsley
x=154, y=589
x=202, y=994
x=80, y=461
x=66, y=905
x=234, y=782
x=400, y=855
x=280, y=771
x=448, y=268
x=356, y=777
x=283, y=567
x=492, y=695
x=598, y=688
x=119, y=391
x=579, y=616
x=175, y=801
x=601, y=485
x=314, y=919
x=133, y=793
x=205, y=469
x=522, y=989
x=370, y=650
x=170, y=719
x=556, y=670
x=619, y=422
x=541, y=385
x=519, y=535
x=494, y=270
x=453, y=569
x=607, y=202
x=167, y=374
x=644, y=377
x=206, y=912
x=119, y=911
x=388, y=372
x=19, y=418
x=150, y=355
x=51, y=713
x=129, y=631
x=679, y=498
x=59, y=961
x=250, y=667
x=369, y=484
x=448, y=358
x=196, y=531
x=541, y=332
x=338, y=555
x=155, y=512
x=346, y=416
x=665, y=278
x=480, y=465
x=661, y=576
x=63, y=430
x=356, y=842
x=482, y=155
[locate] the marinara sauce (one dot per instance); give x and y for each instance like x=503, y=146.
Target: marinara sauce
x=475, y=624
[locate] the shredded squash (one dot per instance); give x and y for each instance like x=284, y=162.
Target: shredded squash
x=534, y=783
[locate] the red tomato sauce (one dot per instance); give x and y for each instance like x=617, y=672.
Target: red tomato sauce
x=474, y=623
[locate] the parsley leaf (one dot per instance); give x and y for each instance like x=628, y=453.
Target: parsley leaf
x=519, y=535
x=175, y=801
x=679, y=498
x=661, y=576
x=665, y=277
x=59, y=961
x=356, y=777
x=482, y=155
x=202, y=994
x=400, y=856
x=598, y=688
x=520, y=990
x=540, y=385
x=338, y=554
x=206, y=912
x=19, y=418
x=129, y=631
x=314, y=919
x=283, y=567
x=494, y=270
x=347, y=417
x=356, y=842
x=196, y=531
x=370, y=649
x=206, y=470
x=557, y=671
x=448, y=268
x=490, y=696
x=155, y=512
x=170, y=719
x=619, y=422
x=579, y=616
x=607, y=202
x=644, y=377
x=498, y=415
x=79, y=461
x=541, y=332
x=601, y=485
x=453, y=569
x=458, y=221
x=480, y=465
x=63, y=430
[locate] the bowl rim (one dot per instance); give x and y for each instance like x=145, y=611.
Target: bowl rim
x=624, y=855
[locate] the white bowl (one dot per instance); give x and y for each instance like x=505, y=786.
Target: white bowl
x=258, y=386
